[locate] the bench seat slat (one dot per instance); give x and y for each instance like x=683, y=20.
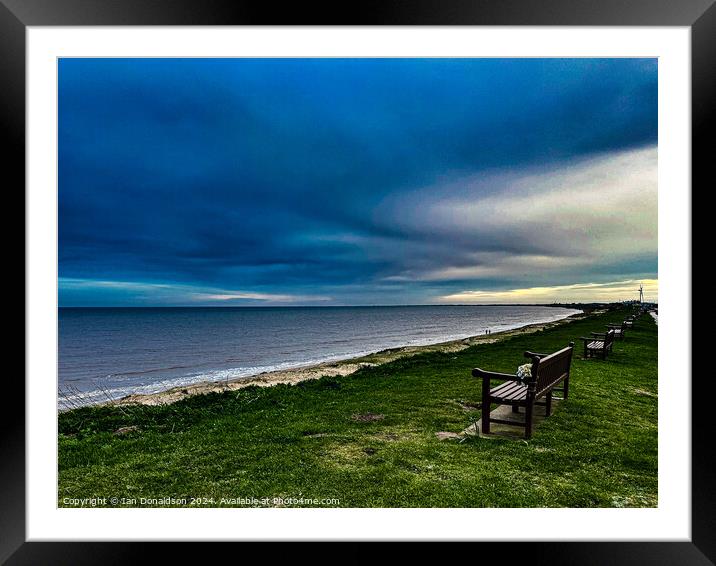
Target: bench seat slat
x=504, y=388
x=518, y=394
x=510, y=391
x=595, y=345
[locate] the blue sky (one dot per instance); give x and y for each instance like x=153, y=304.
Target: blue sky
x=356, y=181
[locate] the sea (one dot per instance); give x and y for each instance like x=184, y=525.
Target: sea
x=107, y=353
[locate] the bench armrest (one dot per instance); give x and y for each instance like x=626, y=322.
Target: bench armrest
x=477, y=372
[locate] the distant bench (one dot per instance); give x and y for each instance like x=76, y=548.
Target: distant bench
x=548, y=371
x=600, y=344
x=619, y=329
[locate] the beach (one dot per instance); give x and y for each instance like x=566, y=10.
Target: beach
x=157, y=355
x=336, y=368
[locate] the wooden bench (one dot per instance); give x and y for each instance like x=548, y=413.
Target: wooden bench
x=619, y=330
x=599, y=344
x=548, y=371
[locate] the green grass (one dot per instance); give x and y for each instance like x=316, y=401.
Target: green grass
x=598, y=449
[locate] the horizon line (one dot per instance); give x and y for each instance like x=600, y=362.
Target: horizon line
x=350, y=306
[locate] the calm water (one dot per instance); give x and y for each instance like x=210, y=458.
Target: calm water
x=117, y=351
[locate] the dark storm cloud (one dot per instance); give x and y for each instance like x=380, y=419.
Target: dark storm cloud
x=295, y=177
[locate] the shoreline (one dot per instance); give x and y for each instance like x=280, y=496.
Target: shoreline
x=343, y=367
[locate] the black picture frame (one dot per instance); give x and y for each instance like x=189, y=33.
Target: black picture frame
x=17, y=15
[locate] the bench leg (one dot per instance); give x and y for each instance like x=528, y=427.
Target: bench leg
x=566, y=388
x=486, y=416
x=528, y=420
x=548, y=407
x=515, y=409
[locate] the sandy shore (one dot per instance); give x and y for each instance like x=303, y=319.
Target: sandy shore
x=342, y=367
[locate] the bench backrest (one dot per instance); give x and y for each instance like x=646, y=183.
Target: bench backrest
x=549, y=370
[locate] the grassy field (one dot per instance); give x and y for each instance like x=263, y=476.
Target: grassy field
x=314, y=440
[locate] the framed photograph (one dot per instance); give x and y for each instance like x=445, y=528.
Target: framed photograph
x=398, y=277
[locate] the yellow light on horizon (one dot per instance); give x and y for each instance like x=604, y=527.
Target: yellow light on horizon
x=580, y=292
